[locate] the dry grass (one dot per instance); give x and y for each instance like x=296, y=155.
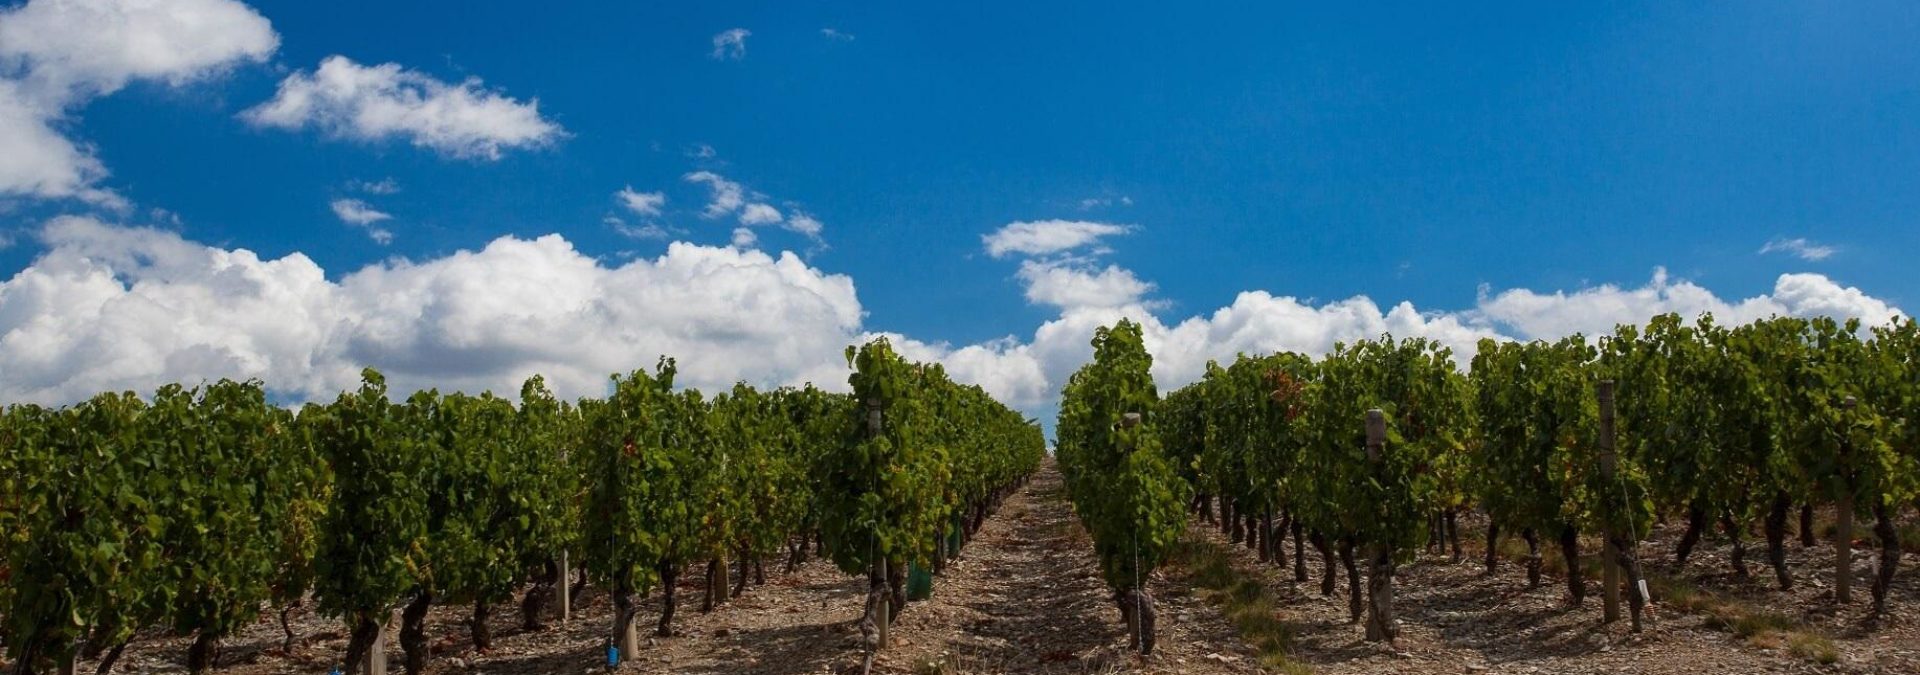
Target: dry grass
x=1758, y=626
x=1243, y=598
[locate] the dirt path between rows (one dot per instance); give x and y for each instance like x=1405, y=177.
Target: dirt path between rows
x=1023, y=597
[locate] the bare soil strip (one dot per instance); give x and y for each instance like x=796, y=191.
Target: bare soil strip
x=1025, y=597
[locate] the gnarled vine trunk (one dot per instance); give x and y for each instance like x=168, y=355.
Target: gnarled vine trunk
x=413, y=632
x=1777, y=539
x=1570, y=547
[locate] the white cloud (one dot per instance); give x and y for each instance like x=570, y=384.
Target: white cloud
x=760, y=214
x=345, y=99
x=1029, y=373
x=1075, y=285
x=385, y=186
x=731, y=44
x=83, y=48
x=35, y=158
x=356, y=212
x=702, y=151
x=727, y=196
x=805, y=224
x=1801, y=248
x=1044, y=237
x=108, y=308
x=644, y=231
x=1091, y=203
x=1594, y=311
x=362, y=215
x=641, y=203
x=836, y=35
x=744, y=237
x=55, y=55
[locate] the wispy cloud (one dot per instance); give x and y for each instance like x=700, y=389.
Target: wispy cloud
x=1046, y=237
x=731, y=44
x=1800, y=247
x=643, y=231
x=1091, y=203
x=836, y=35
x=385, y=186
x=362, y=215
x=641, y=203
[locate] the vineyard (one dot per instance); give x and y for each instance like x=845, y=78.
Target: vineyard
x=205, y=512
x=1374, y=452
x=196, y=511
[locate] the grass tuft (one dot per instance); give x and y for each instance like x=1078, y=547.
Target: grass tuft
x=1244, y=599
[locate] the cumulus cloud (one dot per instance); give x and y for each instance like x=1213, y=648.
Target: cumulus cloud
x=743, y=237
x=1074, y=285
x=1529, y=314
x=730, y=44
x=641, y=203
x=55, y=55
x=345, y=99
x=1043, y=237
x=108, y=307
x=36, y=159
x=1799, y=247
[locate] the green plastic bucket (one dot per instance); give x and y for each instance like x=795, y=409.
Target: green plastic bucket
x=919, y=583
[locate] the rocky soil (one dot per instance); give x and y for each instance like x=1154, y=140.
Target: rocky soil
x=1025, y=597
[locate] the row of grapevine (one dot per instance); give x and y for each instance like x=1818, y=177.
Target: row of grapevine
x=1547, y=439
x=198, y=510
x=1121, y=482
x=922, y=463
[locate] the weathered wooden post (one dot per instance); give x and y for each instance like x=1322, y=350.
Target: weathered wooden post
x=877, y=580
x=1380, y=575
x=1843, y=514
x=566, y=589
x=1610, y=577
x=629, y=636
x=376, y=661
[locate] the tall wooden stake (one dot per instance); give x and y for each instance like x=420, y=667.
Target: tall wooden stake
x=1610, y=562
x=376, y=661
x=566, y=589
x=1843, y=512
x=1380, y=573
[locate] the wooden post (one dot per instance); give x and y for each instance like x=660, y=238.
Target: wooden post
x=877, y=581
x=1380, y=575
x=376, y=662
x=1843, y=513
x=1610, y=577
x=630, y=638
x=882, y=619
x=566, y=589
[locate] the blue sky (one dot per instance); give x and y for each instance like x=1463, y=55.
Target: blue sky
x=1509, y=169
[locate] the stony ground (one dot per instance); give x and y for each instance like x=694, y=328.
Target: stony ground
x=1455, y=618
x=1025, y=598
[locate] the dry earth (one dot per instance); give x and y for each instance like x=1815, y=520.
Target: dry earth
x=1025, y=597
